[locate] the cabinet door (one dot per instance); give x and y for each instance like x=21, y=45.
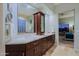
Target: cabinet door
x=15, y=50
x=30, y=52
x=43, y=46
x=35, y=23
x=38, y=50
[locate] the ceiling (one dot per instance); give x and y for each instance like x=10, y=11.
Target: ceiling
x=26, y=9
x=67, y=14
x=30, y=8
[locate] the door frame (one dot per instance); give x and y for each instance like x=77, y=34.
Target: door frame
x=74, y=24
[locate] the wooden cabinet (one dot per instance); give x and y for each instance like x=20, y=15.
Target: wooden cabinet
x=35, y=48
x=39, y=23
x=15, y=50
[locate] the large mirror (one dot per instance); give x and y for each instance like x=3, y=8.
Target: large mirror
x=25, y=18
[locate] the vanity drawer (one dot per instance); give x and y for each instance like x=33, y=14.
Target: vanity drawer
x=15, y=48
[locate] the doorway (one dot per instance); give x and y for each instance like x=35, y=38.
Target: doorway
x=66, y=28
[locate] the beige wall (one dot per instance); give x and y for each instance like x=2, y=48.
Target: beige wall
x=2, y=46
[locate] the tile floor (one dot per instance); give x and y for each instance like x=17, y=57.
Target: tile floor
x=63, y=49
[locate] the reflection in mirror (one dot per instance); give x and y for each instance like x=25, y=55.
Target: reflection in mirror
x=25, y=18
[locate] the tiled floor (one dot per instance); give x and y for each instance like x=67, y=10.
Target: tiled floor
x=62, y=50
x=50, y=51
x=64, y=41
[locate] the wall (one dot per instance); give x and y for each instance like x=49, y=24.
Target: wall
x=76, y=41
x=56, y=21
x=2, y=45
x=49, y=19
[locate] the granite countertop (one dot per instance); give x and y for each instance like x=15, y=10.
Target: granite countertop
x=26, y=38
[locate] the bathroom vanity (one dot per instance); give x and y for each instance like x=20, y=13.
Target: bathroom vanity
x=34, y=45
x=30, y=37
